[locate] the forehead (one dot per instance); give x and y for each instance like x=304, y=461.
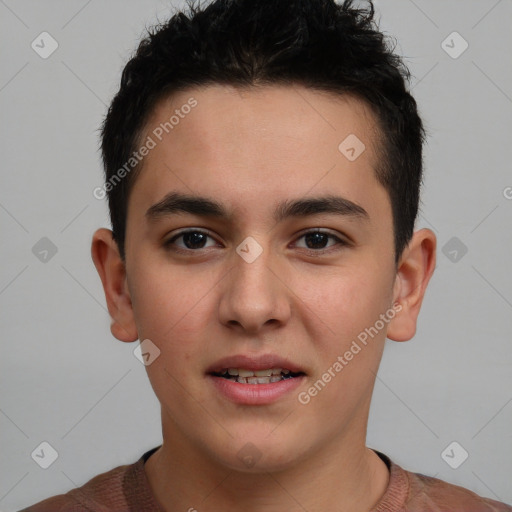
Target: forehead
x=248, y=145
x=285, y=115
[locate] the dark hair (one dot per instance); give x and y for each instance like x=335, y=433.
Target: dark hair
x=315, y=43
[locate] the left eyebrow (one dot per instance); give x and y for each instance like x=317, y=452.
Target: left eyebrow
x=334, y=205
x=177, y=202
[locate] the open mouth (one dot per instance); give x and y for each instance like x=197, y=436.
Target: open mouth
x=269, y=376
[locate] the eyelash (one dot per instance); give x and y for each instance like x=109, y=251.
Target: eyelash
x=169, y=244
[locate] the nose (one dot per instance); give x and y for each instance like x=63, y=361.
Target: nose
x=254, y=295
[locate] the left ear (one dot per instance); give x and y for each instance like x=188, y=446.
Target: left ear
x=415, y=269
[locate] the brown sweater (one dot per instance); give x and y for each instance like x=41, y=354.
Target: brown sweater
x=126, y=488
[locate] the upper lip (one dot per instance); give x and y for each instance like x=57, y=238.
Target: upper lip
x=254, y=363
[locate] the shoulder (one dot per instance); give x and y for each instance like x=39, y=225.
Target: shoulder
x=415, y=492
x=60, y=503
x=103, y=490
x=435, y=494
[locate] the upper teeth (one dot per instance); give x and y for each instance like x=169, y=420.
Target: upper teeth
x=257, y=373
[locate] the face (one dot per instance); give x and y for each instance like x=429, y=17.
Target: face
x=250, y=276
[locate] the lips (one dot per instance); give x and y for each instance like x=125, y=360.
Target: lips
x=254, y=380
x=253, y=363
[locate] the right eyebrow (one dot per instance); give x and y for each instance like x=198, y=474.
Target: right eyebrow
x=176, y=202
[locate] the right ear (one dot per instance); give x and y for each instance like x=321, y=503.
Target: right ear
x=112, y=271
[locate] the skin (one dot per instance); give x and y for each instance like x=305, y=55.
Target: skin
x=250, y=149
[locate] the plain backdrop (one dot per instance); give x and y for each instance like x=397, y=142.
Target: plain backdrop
x=66, y=381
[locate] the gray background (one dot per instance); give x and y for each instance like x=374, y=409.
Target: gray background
x=67, y=381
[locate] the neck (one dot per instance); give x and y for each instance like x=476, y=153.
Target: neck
x=342, y=475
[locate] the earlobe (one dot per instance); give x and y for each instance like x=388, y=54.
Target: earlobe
x=112, y=271
x=415, y=269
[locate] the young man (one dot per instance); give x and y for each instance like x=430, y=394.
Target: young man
x=263, y=164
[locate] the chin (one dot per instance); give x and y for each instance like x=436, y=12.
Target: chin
x=259, y=452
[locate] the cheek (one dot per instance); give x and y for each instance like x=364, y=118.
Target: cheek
x=348, y=356
x=349, y=300
x=168, y=311
x=168, y=302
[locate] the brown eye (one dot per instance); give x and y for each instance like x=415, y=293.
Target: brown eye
x=193, y=239
x=316, y=240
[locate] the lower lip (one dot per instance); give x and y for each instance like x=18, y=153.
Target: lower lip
x=255, y=394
